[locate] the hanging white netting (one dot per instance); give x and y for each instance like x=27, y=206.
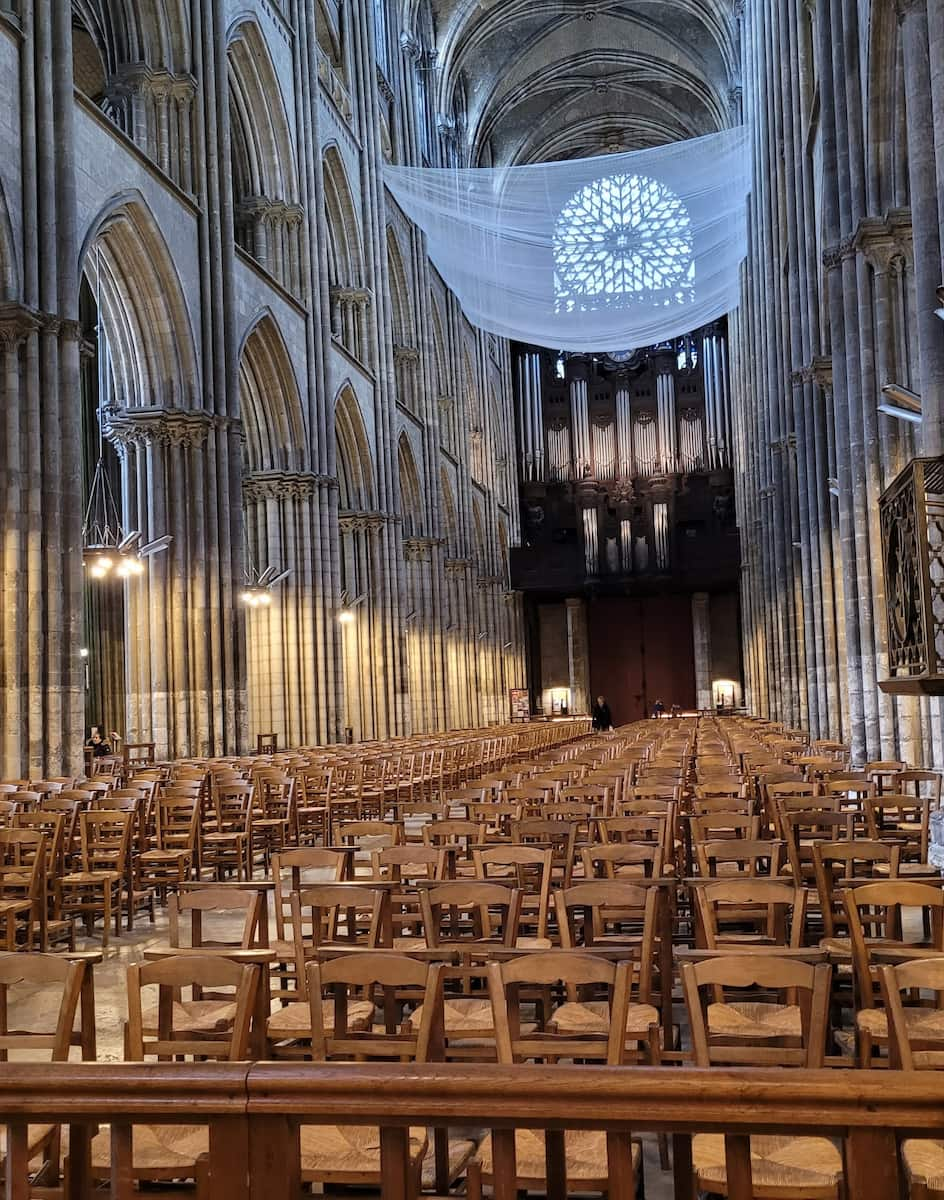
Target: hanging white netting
x=604, y=253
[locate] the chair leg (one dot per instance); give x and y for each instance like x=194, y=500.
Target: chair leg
x=473, y=1181
x=106, y=915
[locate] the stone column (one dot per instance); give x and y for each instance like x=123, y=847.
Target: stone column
x=578, y=655
x=701, y=639
x=926, y=233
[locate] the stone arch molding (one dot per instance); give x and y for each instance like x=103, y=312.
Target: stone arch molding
x=150, y=341
x=9, y=274
x=270, y=401
x=354, y=459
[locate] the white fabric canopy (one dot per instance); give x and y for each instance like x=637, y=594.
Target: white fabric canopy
x=594, y=254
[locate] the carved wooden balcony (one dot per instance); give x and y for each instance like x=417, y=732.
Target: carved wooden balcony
x=912, y=518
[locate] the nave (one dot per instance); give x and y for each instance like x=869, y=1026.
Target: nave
x=538, y=929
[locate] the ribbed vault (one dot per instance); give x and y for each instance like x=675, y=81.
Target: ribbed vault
x=545, y=79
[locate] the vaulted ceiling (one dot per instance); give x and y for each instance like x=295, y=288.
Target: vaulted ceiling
x=546, y=79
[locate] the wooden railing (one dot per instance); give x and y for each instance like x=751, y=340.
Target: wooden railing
x=253, y=1112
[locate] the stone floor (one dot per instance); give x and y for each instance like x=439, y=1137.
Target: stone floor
x=38, y=1011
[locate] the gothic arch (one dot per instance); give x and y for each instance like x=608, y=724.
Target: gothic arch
x=155, y=33
x=401, y=306
x=411, y=492
x=263, y=156
x=149, y=336
x=9, y=284
x=887, y=166
x=449, y=516
x=345, y=254
x=270, y=402
x=355, y=464
x=478, y=529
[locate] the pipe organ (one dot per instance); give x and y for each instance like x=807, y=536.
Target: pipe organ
x=626, y=457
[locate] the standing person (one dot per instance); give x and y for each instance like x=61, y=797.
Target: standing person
x=602, y=717
x=658, y=709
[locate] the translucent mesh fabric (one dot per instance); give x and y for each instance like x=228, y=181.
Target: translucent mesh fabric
x=604, y=253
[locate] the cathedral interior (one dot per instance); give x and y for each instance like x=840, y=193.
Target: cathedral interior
x=361, y=516
x=441, y=758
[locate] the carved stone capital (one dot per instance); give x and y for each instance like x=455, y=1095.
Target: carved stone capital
x=407, y=356
x=419, y=549
x=351, y=295
x=361, y=522
x=164, y=426
x=456, y=566
x=279, y=485
x=16, y=324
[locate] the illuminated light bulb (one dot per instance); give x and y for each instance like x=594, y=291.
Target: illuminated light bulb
x=246, y=597
x=265, y=598
x=136, y=566
x=105, y=563
x=345, y=616
x=98, y=571
x=123, y=571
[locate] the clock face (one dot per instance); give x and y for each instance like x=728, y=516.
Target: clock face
x=621, y=356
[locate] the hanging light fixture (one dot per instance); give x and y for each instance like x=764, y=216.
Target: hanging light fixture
x=108, y=551
x=258, y=590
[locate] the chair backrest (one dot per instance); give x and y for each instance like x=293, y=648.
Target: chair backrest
x=321, y=911
x=613, y=913
x=105, y=835
x=778, y=908
x=875, y=913
x=177, y=820
x=804, y=984
x=530, y=867
x=619, y=858
x=515, y=1042
x=172, y=976
x=710, y=827
x=388, y=980
x=905, y=1050
x=834, y=862
x=405, y=864
x=748, y=858
x=196, y=904
x=47, y=973
x=455, y=831
x=352, y=833
x=469, y=913
x=919, y=783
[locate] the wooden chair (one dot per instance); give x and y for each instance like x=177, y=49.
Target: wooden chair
x=224, y=841
x=622, y=860
x=313, y=803
x=530, y=870
x=764, y=912
x=559, y=836
x=571, y=1161
x=791, y=1033
x=923, y=1158
x=471, y=914
x=340, y=991
x=316, y=918
x=464, y=835
x=619, y=915
x=918, y=783
x=736, y=856
x=875, y=915
x=53, y=975
x=836, y=865
x=882, y=774
x=99, y=886
x=903, y=819
x=273, y=819
x=171, y=860
x=165, y=1153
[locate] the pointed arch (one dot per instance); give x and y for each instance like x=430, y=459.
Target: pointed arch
x=156, y=34
x=270, y=402
x=263, y=155
x=355, y=464
x=411, y=493
x=400, y=297
x=449, y=515
x=150, y=344
x=345, y=253
x=478, y=529
x=9, y=274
